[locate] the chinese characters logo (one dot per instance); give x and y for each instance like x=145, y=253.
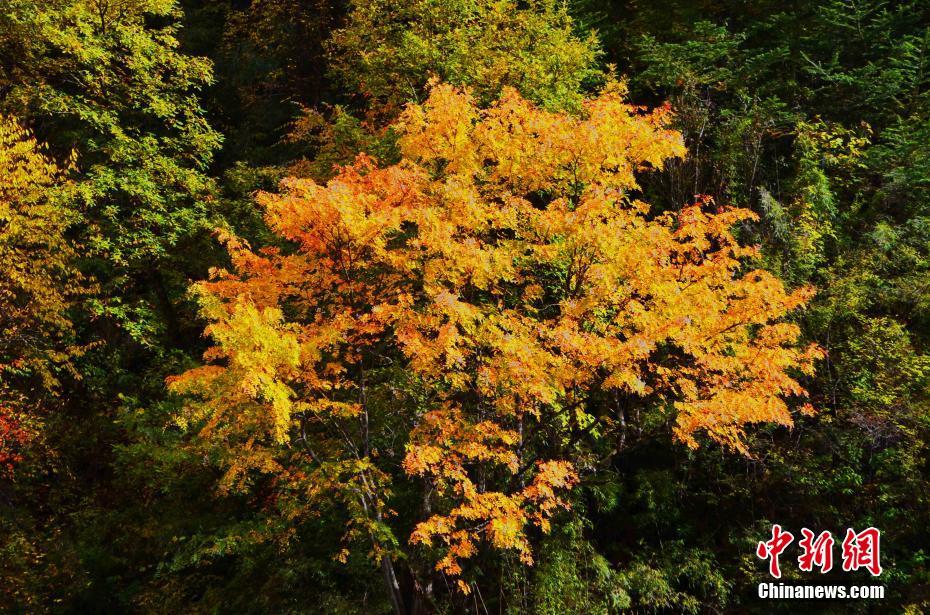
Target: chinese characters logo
x=859, y=550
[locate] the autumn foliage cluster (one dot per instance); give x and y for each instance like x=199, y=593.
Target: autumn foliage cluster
x=504, y=266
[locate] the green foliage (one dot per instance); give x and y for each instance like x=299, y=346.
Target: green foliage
x=572, y=577
x=334, y=140
x=270, y=61
x=387, y=51
x=98, y=77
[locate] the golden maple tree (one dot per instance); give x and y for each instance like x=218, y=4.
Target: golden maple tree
x=486, y=290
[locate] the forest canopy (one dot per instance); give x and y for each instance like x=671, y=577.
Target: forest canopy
x=460, y=307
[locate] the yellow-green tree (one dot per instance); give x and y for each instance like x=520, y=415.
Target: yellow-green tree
x=388, y=50
x=107, y=79
x=38, y=283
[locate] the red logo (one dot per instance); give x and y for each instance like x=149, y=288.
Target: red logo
x=860, y=550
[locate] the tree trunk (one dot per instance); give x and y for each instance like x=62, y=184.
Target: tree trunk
x=422, y=573
x=390, y=579
x=423, y=596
